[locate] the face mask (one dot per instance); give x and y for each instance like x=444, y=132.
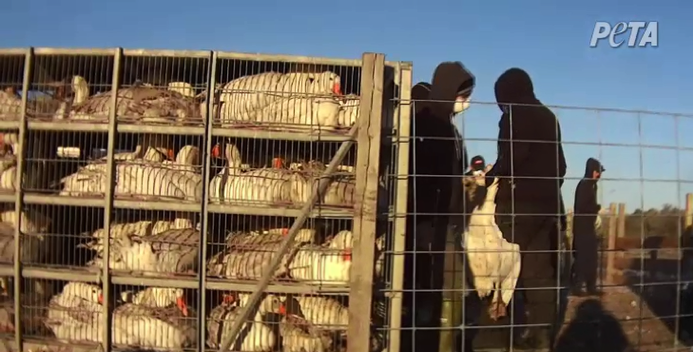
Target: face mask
x=461, y=104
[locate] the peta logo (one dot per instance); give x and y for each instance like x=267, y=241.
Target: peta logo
x=641, y=34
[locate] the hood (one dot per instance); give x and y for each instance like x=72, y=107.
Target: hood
x=449, y=79
x=514, y=86
x=420, y=94
x=421, y=91
x=592, y=165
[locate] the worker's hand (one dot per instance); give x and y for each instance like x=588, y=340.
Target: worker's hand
x=598, y=222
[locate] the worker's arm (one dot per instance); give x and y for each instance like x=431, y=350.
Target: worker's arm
x=513, y=148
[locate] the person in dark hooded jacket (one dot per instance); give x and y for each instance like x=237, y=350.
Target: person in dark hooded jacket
x=529, y=206
x=437, y=155
x=585, y=242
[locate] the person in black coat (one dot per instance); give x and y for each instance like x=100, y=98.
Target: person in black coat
x=585, y=241
x=529, y=206
x=437, y=155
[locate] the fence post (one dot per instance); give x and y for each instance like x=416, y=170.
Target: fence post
x=611, y=244
x=689, y=211
x=366, y=208
x=621, y=227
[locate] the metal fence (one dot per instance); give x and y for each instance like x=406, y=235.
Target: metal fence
x=246, y=219
x=239, y=213
x=445, y=295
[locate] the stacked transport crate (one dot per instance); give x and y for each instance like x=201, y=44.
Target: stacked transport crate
x=249, y=200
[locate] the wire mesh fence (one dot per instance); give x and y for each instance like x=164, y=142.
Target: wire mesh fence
x=170, y=201
x=164, y=200
x=487, y=260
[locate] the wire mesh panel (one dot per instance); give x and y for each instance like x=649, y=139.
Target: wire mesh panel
x=613, y=278
x=283, y=189
x=63, y=81
x=163, y=88
x=303, y=96
x=8, y=161
x=138, y=225
x=12, y=62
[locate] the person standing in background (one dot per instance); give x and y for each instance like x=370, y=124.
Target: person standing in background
x=529, y=206
x=477, y=166
x=585, y=241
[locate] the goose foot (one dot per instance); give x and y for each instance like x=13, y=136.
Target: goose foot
x=497, y=310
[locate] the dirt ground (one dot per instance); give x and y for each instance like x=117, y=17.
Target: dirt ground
x=636, y=313
x=618, y=320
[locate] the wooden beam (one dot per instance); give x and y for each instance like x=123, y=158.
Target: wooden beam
x=689, y=211
x=621, y=223
x=366, y=200
x=611, y=244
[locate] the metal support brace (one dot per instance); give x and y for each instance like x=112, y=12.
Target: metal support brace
x=325, y=180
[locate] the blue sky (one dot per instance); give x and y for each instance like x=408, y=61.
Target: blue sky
x=549, y=39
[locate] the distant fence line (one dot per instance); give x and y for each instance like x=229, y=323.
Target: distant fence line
x=643, y=229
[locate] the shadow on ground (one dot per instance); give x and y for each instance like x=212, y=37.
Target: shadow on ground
x=660, y=281
x=593, y=329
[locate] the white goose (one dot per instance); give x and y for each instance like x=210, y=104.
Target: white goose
x=75, y=313
x=183, y=88
x=350, y=111
x=188, y=159
x=260, y=186
x=306, y=178
x=143, y=228
x=8, y=161
x=247, y=255
x=324, y=312
x=138, y=103
x=154, y=318
x=256, y=335
x=287, y=99
x=172, y=251
x=494, y=262
x=10, y=104
x=298, y=334
x=326, y=264
x=33, y=244
x=140, y=179
x=157, y=297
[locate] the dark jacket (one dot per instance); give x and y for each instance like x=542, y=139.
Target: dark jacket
x=437, y=148
x=586, y=207
x=529, y=146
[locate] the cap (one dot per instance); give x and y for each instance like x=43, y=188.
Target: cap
x=478, y=163
x=594, y=165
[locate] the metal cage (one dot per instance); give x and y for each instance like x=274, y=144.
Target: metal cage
x=236, y=175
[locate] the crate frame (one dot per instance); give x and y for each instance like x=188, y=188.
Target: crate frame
x=371, y=133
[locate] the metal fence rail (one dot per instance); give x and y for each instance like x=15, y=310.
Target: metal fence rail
x=149, y=149
x=645, y=306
